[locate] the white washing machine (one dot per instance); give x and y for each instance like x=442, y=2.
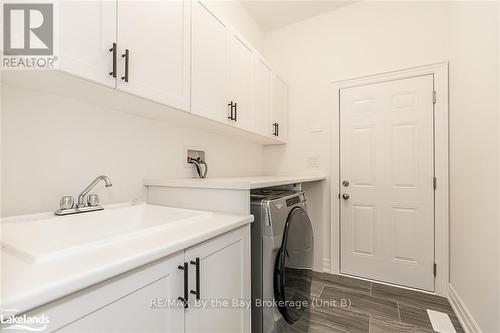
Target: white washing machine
x=282, y=260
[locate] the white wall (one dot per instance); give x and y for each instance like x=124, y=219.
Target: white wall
x=474, y=160
x=374, y=37
x=360, y=39
x=240, y=19
x=54, y=146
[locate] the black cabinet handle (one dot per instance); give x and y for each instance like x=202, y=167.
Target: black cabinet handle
x=126, y=55
x=186, y=295
x=233, y=107
x=230, y=110
x=113, y=50
x=196, y=292
x=277, y=129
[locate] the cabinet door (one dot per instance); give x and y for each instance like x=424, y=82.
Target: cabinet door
x=156, y=35
x=240, y=82
x=124, y=303
x=262, y=89
x=224, y=276
x=209, y=69
x=87, y=30
x=280, y=105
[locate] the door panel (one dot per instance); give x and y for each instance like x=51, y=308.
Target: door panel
x=363, y=221
x=156, y=33
x=386, y=144
x=87, y=30
x=209, y=80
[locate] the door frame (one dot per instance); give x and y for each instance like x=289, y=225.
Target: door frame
x=441, y=165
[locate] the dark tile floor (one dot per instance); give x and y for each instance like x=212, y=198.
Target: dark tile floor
x=366, y=307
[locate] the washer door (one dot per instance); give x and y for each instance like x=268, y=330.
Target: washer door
x=293, y=267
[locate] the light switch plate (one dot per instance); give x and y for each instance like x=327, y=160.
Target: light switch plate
x=312, y=162
x=315, y=126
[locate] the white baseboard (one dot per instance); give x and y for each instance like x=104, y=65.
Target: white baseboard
x=326, y=265
x=463, y=314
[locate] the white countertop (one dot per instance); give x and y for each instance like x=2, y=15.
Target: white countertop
x=234, y=183
x=26, y=285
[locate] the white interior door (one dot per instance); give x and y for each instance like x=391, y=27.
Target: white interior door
x=157, y=36
x=387, y=206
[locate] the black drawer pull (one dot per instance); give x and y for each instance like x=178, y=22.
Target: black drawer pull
x=186, y=295
x=275, y=129
x=196, y=292
x=232, y=111
x=113, y=50
x=126, y=55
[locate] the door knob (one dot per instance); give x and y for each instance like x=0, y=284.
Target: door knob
x=345, y=196
x=345, y=183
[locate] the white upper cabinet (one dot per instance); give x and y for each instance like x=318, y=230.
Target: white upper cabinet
x=154, y=50
x=280, y=108
x=179, y=53
x=240, y=83
x=262, y=88
x=87, y=31
x=209, y=71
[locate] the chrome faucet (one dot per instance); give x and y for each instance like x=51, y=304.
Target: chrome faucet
x=198, y=163
x=81, y=197
x=67, y=205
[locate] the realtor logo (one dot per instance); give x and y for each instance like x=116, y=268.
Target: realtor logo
x=28, y=29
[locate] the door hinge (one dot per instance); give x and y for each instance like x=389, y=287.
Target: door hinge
x=434, y=182
x=434, y=97
x=435, y=269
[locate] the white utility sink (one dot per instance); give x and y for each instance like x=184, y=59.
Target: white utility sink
x=53, y=237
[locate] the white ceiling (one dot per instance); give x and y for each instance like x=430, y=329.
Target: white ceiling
x=271, y=15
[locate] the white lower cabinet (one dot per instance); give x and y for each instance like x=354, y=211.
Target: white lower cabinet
x=132, y=311
x=224, y=277
x=137, y=301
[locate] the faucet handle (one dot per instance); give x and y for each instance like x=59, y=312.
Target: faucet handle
x=93, y=200
x=66, y=202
